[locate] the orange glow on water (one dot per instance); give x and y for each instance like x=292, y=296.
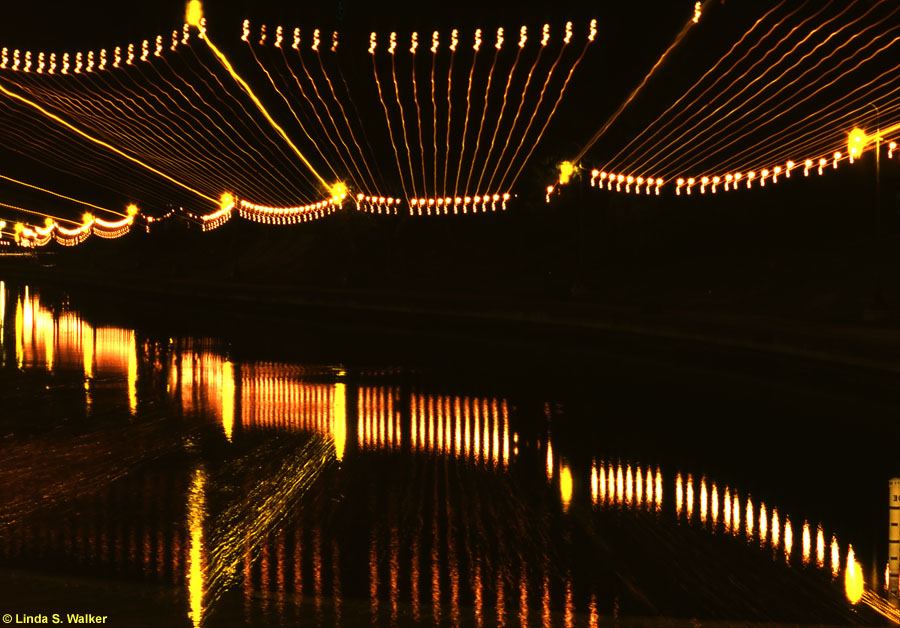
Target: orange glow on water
x=853, y=578
x=835, y=557
x=679, y=494
x=629, y=485
x=763, y=524
x=689, y=496
x=658, y=497
x=749, y=527
x=620, y=484
x=788, y=539
x=197, y=556
x=594, y=488
x=776, y=529
x=820, y=547
x=714, y=499
x=806, y=543
x=726, y=509
x=736, y=515
x=704, y=501
x=565, y=485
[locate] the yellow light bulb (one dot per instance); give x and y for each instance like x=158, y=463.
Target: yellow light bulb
x=566, y=169
x=857, y=139
x=194, y=13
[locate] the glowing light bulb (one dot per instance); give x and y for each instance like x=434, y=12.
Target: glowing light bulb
x=545, y=35
x=132, y=209
x=704, y=181
x=295, y=44
x=857, y=139
x=891, y=148
x=837, y=158
x=775, y=172
x=806, y=166
x=523, y=36
x=372, y=43
x=628, y=181
x=690, y=183
x=763, y=175
x=566, y=169
x=787, y=171
x=454, y=39
x=193, y=13
x=499, y=43
x=715, y=182
x=822, y=162
x=593, y=31
x=728, y=179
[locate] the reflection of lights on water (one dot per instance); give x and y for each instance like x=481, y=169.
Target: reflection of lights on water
x=853, y=578
x=339, y=420
x=679, y=494
x=549, y=456
x=594, y=487
x=639, y=486
x=726, y=509
x=714, y=504
x=788, y=539
x=228, y=392
x=835, y=557
x=776, y=529
x=658, y=497
x=820, y=547
x=650, y=496
x=565, y=485
x=620, y=484
x=763, y=524
x=601, y=483
x=704, y=500
x=196, y=563
x=749, y=527
x=807, y=544
x=689, y=496
x=736, y=515
x=629, y=485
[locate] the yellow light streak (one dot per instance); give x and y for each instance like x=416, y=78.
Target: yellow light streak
x=99, y=142
x=387, y=116
x=247, y=90
x=412, y=178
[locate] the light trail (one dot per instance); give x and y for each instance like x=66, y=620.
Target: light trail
x=611, y=163
x=62, y=196
x=540, y=101
x=194, y=20
x=661, y=155
x=412, y=178
x=435, y=40
x=98, y=142
x=453, y=43
x=387, y=116
x=349, y=127
x=553, y=110
x=681, y=35
x=37, y=213
x=487, y=91
x=722, y=143
x=523, y=36
x=544, y=39
x=476, y=46
x=414, y=44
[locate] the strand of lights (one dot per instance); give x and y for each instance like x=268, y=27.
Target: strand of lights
x=290, y=215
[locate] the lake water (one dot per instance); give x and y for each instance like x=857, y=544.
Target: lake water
x=158, y=477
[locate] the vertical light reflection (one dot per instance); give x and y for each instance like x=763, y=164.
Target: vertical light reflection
x=20, y=333
x=546, y=618
x=629, y=486
x=336, y=582
x=763, y=524
x=679, y=494
x=476, y=432
x=196, y=558
x=750, y=522
x=620, y=484
x=835, y=557
x=467, y=419
x=704, y=500
x=495, y=418
x=49, y=333
x=523, y=597
x=658, y=497
x=505, y=411
x=594, y=481
x=689, y=497
x=373, y=575
x=394, y=574
x=228, y=392
x=2, y=309
x=601, y=483
x=485, y=414
x=714, y=506
x=414, y=580
x=806, y=542
x=853, y=578
x=788, y=539
x=549, y=460
x=736, y=515
x=413, y=419
x=132, y=372
x=649, y=488
x=478, y=592
x=639, y=486
x=339, y=420
x=610, y=484
x=501, y=599
x=87, y=351
x=776, y=529
x=726, y=509
x=593, y=617
x=457, y=420
x=565, y=485
x=569, y=616
x=820, y=547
